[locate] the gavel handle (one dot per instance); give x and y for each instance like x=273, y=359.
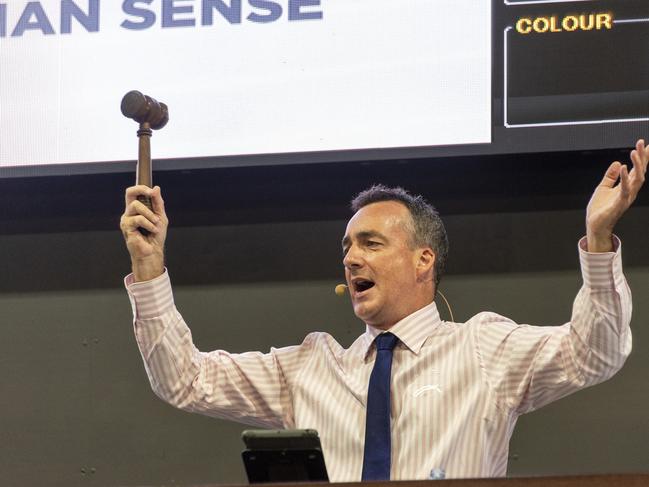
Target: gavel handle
x=144, y=172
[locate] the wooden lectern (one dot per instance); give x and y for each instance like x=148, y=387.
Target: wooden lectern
x=608, y=480
x=612, y=480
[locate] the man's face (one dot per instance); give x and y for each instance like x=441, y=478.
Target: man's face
x=386, y=277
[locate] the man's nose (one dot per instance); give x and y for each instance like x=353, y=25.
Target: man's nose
x=352, y=258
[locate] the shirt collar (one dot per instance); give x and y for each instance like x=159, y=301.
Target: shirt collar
x=412, y=330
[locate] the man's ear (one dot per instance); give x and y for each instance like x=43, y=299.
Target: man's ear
x=425, y=264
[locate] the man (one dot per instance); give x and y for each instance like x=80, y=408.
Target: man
x=455, y=391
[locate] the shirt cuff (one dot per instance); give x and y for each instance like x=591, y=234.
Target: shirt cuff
x=599, y=269
x=150, y=299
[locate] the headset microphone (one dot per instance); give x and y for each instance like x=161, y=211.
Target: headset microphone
x=340, y=289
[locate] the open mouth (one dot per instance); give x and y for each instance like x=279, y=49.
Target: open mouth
x=362, y=285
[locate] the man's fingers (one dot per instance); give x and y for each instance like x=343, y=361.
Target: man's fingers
x=157, y=202
x=134, y=191
x=130, y=224
x=136, y=207
x=625, y=185
x=642, y=153
x=639, y=167
x=639, y=157
x=612, y=174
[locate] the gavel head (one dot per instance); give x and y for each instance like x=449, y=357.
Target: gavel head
x=144, y=109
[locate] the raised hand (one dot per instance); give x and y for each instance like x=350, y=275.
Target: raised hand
x=611, y=200
x=147, y=252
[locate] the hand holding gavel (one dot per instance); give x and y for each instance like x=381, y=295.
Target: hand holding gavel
x=146, y=249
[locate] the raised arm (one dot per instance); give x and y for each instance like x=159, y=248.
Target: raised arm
x=529, y=366
x=610, y=200
x=247, y=387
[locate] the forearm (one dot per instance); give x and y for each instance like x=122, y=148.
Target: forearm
x=530, y=366
x=164, y=341
x=600, y=332
x=241, y=387
x=171, y=361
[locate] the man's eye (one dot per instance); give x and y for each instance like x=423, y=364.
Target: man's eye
x=372, y=243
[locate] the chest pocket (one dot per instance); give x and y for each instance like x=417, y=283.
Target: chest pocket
x=422, y=397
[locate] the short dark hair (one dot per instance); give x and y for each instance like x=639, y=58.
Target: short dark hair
x=428, y=228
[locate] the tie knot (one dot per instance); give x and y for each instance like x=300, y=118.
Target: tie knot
x=386, y=341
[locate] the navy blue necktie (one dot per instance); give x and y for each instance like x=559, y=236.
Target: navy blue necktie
x=376, y=458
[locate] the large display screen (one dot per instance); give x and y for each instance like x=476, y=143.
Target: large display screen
x=299, y=81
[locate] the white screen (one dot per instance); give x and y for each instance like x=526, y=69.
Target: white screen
x=367, y=74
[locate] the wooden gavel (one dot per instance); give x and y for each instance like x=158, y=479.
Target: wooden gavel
x=151, y=115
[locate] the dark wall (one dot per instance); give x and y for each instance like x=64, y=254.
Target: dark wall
x=254, y=254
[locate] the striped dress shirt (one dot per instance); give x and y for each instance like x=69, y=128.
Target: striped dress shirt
x=457, y=388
